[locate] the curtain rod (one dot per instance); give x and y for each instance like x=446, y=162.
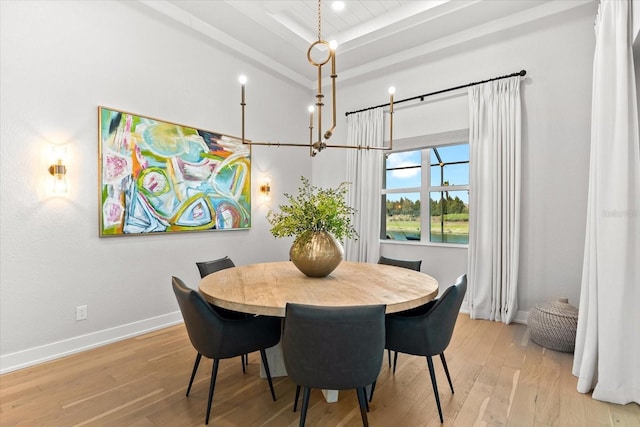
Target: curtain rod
x=421, y=97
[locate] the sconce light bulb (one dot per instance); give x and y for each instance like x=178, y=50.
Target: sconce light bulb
x=333, y=45
x=311, y=108
x=59, y=171
x=265, y=189
x=392, y=90
x=60, y=185
x=242, y=79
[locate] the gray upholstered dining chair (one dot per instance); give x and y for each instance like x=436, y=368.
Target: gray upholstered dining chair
x=334, y=348
x=411, y=265
x=207, y=267
x=217, y=337
x=427, y=330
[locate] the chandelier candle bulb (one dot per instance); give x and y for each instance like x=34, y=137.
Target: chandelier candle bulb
x=392, y=90
x=243, y=80
x=311, y=109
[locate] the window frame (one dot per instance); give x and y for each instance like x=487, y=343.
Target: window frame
x=424, y=145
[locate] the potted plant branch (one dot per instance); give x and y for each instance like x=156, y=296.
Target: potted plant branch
x=320, y=219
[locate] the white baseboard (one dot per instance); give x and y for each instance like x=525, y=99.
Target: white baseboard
x=521, y=316
x=33, y=356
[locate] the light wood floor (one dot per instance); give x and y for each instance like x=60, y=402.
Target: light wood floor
x=500, y=378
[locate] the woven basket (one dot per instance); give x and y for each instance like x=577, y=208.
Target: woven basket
x=553, y=325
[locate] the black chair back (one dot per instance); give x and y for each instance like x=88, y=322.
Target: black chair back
x=218, y=337
x=208, y=267
x=202, y=322
x=441, y=318
x=335, y=348
x=427, y=330
x=412, y=265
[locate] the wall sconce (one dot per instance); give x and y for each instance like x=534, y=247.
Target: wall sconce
x=265, y=190
x=58, y=172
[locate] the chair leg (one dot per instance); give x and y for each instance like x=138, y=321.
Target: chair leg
x=244, y=371
x=389, y=357
x=446, y=370
x=395, y=361
x=435, y=386
x=366, y=402
x=295, y=401
x=305, y=405
x=362, y=400
x=263, y=355
x=373, y=388
x=214, y=374
x=193, y=373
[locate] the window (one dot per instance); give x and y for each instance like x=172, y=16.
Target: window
x=439, y=175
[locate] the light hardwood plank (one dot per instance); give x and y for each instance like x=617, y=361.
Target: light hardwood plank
x=548, y=397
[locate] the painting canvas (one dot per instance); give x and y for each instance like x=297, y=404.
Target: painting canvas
x=161, y=177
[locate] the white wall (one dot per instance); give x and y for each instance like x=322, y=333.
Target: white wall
x=635, y=20
x=557, y=53
x=60, y=60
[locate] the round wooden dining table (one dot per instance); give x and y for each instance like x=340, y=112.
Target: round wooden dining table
x=267, y=288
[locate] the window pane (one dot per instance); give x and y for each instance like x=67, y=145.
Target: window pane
x=450, y=175
x=402, y=216
x=449, y=211
x=403, y=170
x=446, y=168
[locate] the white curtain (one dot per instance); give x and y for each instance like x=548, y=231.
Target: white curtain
x=607, y=354
x=364, y=171
x=494, y=199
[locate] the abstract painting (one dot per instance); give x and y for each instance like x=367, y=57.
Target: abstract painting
x=161, y=177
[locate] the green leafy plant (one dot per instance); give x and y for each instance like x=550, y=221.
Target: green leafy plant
x=315, y=209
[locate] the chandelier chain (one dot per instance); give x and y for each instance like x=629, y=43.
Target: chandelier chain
x=319, y=21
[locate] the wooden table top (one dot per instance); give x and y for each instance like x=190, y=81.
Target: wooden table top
x=266, y=288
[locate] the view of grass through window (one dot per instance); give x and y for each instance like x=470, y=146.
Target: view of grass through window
x=449, y=217
x=447, y=189
x=403, y=217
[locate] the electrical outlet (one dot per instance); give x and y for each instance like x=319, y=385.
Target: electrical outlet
x=81, y=312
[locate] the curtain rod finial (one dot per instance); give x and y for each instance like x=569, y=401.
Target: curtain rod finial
x=523, y=73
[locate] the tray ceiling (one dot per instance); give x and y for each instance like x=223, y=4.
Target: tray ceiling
x=372, y=35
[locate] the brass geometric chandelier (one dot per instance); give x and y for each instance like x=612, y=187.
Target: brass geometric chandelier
x=329, y=49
